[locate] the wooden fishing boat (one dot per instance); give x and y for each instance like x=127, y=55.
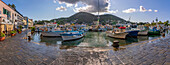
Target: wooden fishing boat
x=143, y=32
x=117, y=33
x=52, y=34
x=72, y=35
x=154, y=32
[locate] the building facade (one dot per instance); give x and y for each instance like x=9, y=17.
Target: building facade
x=10, y=18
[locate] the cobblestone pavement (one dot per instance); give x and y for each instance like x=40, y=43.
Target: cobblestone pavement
x=16, y=51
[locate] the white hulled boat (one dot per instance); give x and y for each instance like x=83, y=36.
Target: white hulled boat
x=52, y=31
x=72, y=35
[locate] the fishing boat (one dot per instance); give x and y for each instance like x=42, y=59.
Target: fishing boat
x=51, y=30
x=52, y=34
x=154, y=31
x=143, y=30
x=72, y=35
x=132, y=31
x=117, y=33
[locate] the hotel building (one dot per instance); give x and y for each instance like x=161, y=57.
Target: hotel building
x=10, y=18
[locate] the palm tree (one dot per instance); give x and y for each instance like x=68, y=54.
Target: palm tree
x=166, y=23
x=13, y=6
x=156, y=19
x=9, y=5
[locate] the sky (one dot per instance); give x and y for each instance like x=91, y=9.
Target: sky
x=136, y=10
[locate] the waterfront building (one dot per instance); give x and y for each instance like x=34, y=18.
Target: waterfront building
x=10, y=18
x=7, y=17
x=30, y=22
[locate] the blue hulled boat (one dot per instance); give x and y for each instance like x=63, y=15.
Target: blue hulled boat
x=72, y=35
x=132, y=33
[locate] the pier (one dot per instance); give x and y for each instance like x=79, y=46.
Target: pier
x=17, y=51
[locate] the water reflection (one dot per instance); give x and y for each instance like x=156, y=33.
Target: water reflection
x=70, y=44
x=92, y=39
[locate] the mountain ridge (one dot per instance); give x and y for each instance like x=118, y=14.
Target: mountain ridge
x=88, y=18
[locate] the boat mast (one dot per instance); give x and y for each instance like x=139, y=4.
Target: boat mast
x=98, y=12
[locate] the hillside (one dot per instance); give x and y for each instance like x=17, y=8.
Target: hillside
x=88, y=18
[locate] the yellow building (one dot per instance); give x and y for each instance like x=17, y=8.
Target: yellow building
x=8, y=17
x=30, y=22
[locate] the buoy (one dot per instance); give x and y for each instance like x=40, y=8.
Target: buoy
x=115, y=44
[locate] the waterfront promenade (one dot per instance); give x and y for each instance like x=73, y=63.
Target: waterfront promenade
x=17, y=51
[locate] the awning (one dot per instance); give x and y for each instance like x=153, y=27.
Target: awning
x=122, y=27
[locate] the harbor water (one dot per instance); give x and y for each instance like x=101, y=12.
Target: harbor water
x=91, y=39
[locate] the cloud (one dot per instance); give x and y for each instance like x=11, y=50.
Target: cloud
x=69, y=5
x=54, y=1
x=142, y=9
x=155, y=10
x=130, y=10
x=113, y=11
x=150, y=10
x=61, y=8
x=90, y=5
x=76, y=5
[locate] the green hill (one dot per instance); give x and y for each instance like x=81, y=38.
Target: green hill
x=88, y=18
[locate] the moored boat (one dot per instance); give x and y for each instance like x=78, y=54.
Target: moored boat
x=52, y=34
x=143, y=32
x=72, y=35
x=117, y=33
x=132, y=33
x=154, y=31
x=51, y=30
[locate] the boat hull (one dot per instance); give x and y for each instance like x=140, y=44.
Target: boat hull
x=51, y=34
x=133, y=33
x=117, y=35
x=143, y=33
x=154, y=32
x=70, y=38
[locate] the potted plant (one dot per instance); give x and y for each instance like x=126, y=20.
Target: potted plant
x=32, y=30
x=20, y=26
x=2, y=36
x=13, y=33
x=19, y=31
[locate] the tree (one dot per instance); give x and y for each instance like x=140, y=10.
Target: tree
x=156, y=19
x=166, y=23
x=13, y=6
x=160, y=22
x=141, y=23
x=153, y=23
x=9, y=5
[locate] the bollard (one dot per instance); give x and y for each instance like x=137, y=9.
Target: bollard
x=29, y=38
x=163, y=34
x=115, y=44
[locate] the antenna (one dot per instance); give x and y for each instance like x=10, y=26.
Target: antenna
x=98, y=11
x=129, y=18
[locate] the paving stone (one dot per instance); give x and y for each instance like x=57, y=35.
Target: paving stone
x=21, y=52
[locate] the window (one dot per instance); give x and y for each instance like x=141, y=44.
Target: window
x=4, y=11
x=0, y=12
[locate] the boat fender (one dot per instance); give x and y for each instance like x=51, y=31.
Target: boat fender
x=74, y=35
